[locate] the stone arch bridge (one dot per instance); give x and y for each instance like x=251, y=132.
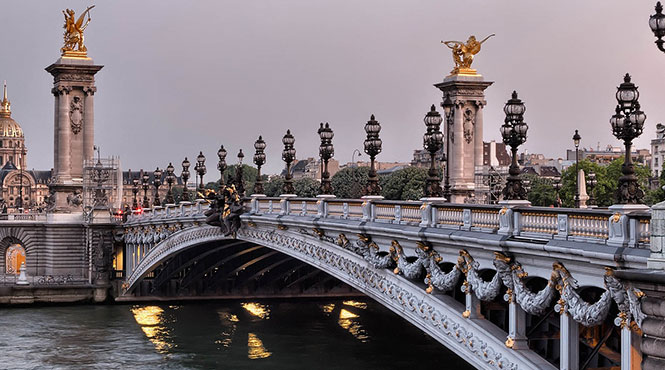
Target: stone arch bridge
x=505, y=287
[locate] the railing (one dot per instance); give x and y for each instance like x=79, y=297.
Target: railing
x=23, y=217
x=587, y=225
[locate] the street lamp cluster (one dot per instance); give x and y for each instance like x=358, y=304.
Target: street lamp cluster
x=513, y=132
x=433, y=142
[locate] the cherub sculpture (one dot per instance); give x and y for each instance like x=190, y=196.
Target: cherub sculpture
x=463, y=52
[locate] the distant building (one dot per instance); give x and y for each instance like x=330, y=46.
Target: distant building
x=658, y=151
x=548, y=172
x=495, y=154
x=421, y=158
x=311, y=168
x=604, y=157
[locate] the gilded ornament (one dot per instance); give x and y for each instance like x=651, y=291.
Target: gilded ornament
x=74, y=46
x=463, y=54
x=510, y=342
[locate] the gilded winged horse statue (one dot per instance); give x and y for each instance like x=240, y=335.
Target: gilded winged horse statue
x=74, y=31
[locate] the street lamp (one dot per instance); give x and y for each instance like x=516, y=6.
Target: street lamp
x=288, y=155
x=513, y=132
x=591, y=182
x=448, y=111
x=433, y=142
x=259, y=160
x=353, y=157
x=326, y=151
x=145, y=184
x=135, y=190
x=576, y=141
x=627, y=124
x=170, y=179
x=200, y=168
x=657, y=24
x=372, y=148
x=221, y=165
x=557, y=188
x=185, y=177
x=157, y=181
x=240, y=186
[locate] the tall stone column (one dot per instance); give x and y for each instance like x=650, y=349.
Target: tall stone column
x=466, y=143
x=73, y=87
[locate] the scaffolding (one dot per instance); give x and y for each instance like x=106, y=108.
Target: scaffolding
x=102, y=184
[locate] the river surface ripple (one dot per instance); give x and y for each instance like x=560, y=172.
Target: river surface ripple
x=265, y=334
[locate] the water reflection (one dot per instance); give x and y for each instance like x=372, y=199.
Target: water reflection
x=356, y=304
x=255, y=348
x=151, y=321
x=347, y=322
x=256, y=309
x=228, y=322
x=328, y=308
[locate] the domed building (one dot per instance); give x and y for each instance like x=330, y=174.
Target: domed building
x=17, y=182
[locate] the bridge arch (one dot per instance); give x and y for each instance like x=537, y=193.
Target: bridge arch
x=479, y=342
x=8, y=242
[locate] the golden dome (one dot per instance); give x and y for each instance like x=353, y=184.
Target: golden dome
x=8, y=127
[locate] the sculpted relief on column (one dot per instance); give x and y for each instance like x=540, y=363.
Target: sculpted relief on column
x=468, y=123
x=76, y=114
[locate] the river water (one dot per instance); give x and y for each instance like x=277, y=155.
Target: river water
x=270, y=334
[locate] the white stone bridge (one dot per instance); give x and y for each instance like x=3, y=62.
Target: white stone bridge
x=503, y=287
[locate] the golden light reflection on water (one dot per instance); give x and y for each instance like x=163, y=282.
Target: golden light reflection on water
x=255, y=348
x=256, y=309
x=328, y=308
x=347, y=322
x=228, y=321
x=150, y=318
x=356, y=304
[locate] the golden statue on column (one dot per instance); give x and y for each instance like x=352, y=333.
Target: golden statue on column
x=463, y=54
x=74, y=46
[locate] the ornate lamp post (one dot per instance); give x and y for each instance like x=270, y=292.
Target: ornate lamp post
x=326, y=151
x=657, y=24
x=513, y=132
x=145, y=184
x=157, y=181
x=170, y=179
x=448, y=111
x=627, y=124
x=433, y=142
x=185, y=176
x=200, y=168
x=259, y=160
x=372, y=148
x=576, y=141
x=135, y=190
x=221, y=165
x=240, y=186
x=557, y=188
x=288, y=156
x=591, y=182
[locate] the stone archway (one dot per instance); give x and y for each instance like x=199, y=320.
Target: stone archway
x=14, y=258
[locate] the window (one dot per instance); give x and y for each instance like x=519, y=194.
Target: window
x=655, y=162
x=14, y=257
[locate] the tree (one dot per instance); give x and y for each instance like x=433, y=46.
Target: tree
x=542, y=193
x=404, y=184
x=307, y=187
x=350, y=182
x=273, y=188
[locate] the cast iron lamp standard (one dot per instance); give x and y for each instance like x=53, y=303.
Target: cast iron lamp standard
x=145, y=184
x=576, y=141
x=221, y=165
x=135, y=191
x=433, y=142
x=240, y=186
x=288, y=155
x=259, y=160
x=185, y=177
x=326, y=151
x=513, y=132
x=657, y=24
x=591, y=182
x=373, y=148
x=448, y=106
x=200, y=168
x=627, y=124
x=170, y=179
x=157, y=181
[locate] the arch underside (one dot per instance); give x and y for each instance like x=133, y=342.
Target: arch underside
x=477, y=341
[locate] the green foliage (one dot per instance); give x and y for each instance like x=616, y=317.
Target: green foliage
x=542, y=193
x=350, y=182
x=273, y=188
x=607, y=177
x=405, y=184
x=306, y=187
x=656, y=195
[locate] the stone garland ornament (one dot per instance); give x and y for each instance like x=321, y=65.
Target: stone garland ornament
x=410, y=269
x=571, y=303
x=512, y=276
x=438, y=279
x=373, y=255
x=484, y=290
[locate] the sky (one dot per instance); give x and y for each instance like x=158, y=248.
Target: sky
x=181, y=77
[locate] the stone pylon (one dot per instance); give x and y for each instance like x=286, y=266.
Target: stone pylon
x=74, y=89
x=581, y=181
x=465, y=133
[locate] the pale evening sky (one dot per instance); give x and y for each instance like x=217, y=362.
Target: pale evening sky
x=184, y=76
